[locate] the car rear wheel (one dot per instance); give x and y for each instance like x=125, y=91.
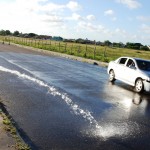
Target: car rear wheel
x=111, y=76
x=139, y=86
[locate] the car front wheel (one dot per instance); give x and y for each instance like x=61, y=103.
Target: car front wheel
x=111, y=76
x=139, y=86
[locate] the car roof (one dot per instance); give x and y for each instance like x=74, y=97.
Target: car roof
x=135, y=58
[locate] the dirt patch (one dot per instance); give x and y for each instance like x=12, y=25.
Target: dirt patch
x=9, y=136
x=6, y=141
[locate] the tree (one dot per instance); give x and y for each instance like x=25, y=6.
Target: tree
x=144, y=48
x=133, y=45
x=8, y=32
x=82, y=41
x=107, y=43
x=31, y=35
x=2, y=32
x=16, y=33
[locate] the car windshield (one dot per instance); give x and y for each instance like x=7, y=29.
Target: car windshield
x=143, y=65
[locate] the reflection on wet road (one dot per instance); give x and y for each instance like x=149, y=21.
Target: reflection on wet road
x=65, y=104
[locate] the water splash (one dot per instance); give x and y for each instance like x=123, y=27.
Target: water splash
x=104, y=131
x=53, y=91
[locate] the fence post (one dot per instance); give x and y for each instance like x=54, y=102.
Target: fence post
x=42, y=43
x=9, y=41
x=23, y=41
x=26, y=41
x=65, y=47
x=46, y=44
x=39, y=43
x=55, y=46
x=105, y=51
x=78, y=50
x=59, y=46
x=71, y=49
x=34, y=42
x=31, y=42
x=94, y=51
x=50, y=45
x=85, y=51
x=3, y=41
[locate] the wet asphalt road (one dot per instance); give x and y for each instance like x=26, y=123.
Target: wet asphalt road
x=62, y=104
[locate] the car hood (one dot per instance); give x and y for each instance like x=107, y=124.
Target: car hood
x=146, y=73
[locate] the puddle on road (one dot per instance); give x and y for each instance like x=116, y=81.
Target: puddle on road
x=118, y=129
x=104, y=132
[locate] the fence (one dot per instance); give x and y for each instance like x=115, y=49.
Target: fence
x=81, y=50
x=96, y=52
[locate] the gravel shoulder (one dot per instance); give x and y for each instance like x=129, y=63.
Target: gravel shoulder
x=6, y=141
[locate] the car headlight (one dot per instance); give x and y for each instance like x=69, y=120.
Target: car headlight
x=148, y=79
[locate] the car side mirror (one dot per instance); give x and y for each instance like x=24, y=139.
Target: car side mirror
x=133, y=67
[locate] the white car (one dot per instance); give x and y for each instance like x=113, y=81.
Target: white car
x=133, y=71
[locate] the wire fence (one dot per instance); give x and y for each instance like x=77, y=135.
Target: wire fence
x=81, y=50
x=96, y=52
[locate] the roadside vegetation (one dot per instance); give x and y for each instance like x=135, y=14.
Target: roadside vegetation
x=11, y=129
x=104, y=52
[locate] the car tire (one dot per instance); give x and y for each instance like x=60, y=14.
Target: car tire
x=139, y=86
x=112, y=76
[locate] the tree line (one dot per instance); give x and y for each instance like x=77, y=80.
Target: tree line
x=129, y=45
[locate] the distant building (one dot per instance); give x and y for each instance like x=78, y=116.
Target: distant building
x=32, y=35
x=45, y=37
x=57, y=38
x=69, y=40
x=100, y=43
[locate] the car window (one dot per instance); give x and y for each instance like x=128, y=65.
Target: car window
x=143, y=65
x=122, y=61
x=130, y=63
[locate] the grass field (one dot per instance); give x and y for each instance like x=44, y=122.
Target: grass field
x=95, y=52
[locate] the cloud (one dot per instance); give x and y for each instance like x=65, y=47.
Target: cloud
x=92, y=27
x=75, y=17
x=90, y=17
x=50, y=7
x=143, y=18
x=114, y=18
x=132, y=4
x=36, y=15
x=120, y=31
x=52, y=18
x=78, y=17
x=87, y=26
x=145, y=28
x=73, y=6
x=109, y=12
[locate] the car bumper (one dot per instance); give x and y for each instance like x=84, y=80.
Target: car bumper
x=147, y=86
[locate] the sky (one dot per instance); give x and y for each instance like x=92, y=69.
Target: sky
x=100, y=20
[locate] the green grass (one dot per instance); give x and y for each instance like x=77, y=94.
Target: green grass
x=100, y=53
x=9, y=127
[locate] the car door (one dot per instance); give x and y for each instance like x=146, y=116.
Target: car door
x=119, y=72
x=130, y=72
